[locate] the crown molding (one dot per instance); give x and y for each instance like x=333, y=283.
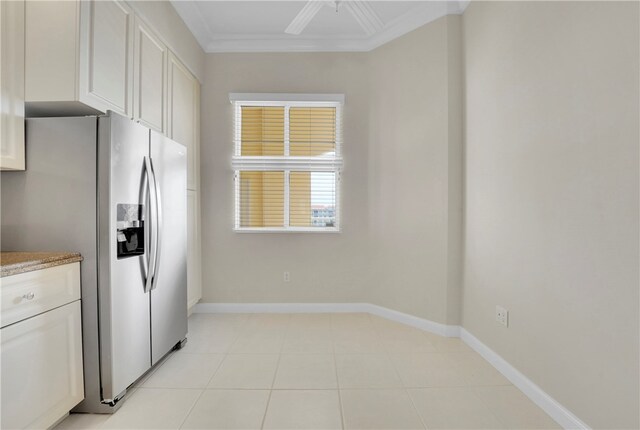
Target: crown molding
x=243, y=43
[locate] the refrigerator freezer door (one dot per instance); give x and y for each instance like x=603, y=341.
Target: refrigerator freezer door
x=125, y=346
x=169, y=290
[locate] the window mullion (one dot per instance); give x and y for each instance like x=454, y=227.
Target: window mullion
x=286, y=130
x=286, y=172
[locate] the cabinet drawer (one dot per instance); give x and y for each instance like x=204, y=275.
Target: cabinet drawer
x=41, y=368
x=28, y=294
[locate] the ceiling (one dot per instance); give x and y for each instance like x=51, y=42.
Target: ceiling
x=259, y=26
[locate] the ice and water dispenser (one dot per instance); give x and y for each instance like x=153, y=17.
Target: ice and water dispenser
x=130, y=226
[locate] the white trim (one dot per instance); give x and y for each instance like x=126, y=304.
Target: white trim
x=302, y=164
x=537, y=395
x=261, y=98
x=231, y=42
x=417, y=322
x=286, y=230
x=553, y=408
x=295, y=308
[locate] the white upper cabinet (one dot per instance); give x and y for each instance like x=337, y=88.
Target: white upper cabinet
x=12, y=85
x=106, y=57
x=150, y=78
x=79, y=57
x=194, y=281
x=184, y=114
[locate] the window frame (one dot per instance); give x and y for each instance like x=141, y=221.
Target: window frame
x=286, y=163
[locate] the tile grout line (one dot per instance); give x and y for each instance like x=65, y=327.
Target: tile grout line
x=215, y=372
x=404, y=388
x=186, y=417
x=335, y=365
x=473, y=391
x=206, y=386
x=275, y=374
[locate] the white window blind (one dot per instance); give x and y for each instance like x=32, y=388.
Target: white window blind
x=287, y=161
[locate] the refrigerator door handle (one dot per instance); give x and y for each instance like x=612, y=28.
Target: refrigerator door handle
x=153, y=208
x=144, y=195
x=158, y=227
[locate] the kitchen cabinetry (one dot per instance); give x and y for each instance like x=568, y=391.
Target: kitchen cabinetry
x=79, y=57
x=194, y=266
x=87, y=57
x=184, y=127
x=150, y=78
x=41, y=346
x=12, y=85
x=184, y=113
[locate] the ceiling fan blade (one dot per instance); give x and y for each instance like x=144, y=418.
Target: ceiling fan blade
x=304, y=16
x=365, y=16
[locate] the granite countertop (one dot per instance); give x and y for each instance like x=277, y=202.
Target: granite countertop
x=13, y=263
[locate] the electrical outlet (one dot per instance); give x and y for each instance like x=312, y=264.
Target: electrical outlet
x=286, y=277
x=502, y=316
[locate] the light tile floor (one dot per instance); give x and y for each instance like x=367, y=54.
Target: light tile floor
x=319, y=371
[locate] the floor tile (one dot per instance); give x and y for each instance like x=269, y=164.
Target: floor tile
x=82, y=422
x=351, y=321
x=447, y=344
x=248, y=371
x=152, y=408
x=406, y=341
x=216, y=323
x=303, y=409
x=366, y=342
x=308, y=341
x=432, y=369
x=259, y=341
x=476, y=370
x=228, y=409
x=379, y=409
x=453, y=408
x=184, y=370
x=310, y=322
x=282, y=374
x=306, y=371
x=267, y=322
x=366, y=371
x=203, y=342
x=514, y=409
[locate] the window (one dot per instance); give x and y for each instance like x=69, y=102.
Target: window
x=287, y=161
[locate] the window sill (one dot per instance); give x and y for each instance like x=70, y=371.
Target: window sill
x=288, y=230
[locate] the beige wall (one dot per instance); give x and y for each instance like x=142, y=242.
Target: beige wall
x=414, y=115
x=248, y=267
x=393, y=248
x=551, y=217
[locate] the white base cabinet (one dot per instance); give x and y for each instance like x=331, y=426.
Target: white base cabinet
x=41, y=368
x=41, y=371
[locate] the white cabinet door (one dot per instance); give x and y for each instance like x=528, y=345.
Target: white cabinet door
x=106, y=48
x=184, y=110
x=41, y=368
x=12, y=85
x=149, y=78
x=194, y=281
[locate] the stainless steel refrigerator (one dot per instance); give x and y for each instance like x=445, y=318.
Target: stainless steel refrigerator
x=114, y=191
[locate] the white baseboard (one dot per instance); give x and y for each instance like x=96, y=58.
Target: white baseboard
x=562, y=415
x=410, y=320
x=413, y=321
x=555, y=410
